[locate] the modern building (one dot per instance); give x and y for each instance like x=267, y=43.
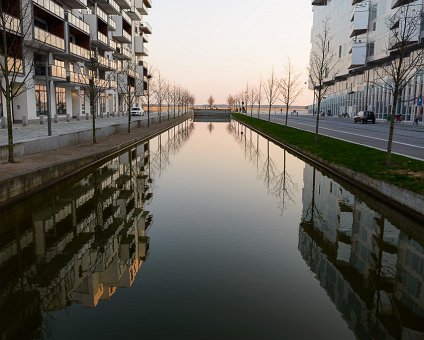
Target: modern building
x=360, y=33
x=59, y=44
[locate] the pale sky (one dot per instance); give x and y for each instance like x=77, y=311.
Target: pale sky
x=214, y=47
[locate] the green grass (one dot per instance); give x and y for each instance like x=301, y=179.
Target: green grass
x=405, y=172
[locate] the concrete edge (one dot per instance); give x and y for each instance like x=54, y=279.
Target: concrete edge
x=24, y=185
x=412, y=204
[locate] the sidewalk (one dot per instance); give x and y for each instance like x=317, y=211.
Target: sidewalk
x=34, y=130
x=34, y=172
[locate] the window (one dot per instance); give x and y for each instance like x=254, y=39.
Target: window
x=373, y=12
x=370, y=49
x=60, y=101
x=374, y=26
x=340, y=51
x=41, y=100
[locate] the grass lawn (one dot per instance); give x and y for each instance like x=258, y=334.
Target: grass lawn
x=405, y=172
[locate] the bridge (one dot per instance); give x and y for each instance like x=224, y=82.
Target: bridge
x=212, y=115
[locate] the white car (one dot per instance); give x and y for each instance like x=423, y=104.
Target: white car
x=137, y=111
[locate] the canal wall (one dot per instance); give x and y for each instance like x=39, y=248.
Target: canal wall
x=34, y=172
x=212, y=115
x=406, y=201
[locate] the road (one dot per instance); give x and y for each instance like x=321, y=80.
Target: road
x=408, y=139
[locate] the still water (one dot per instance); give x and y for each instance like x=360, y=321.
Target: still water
x=209, y=231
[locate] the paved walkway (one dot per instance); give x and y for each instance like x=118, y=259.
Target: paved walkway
x=36, y=131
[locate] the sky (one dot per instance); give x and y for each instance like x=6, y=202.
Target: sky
x=216, y=47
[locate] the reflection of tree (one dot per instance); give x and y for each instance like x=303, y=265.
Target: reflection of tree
x=210, y=127
x=312, y=213
x=278, y=182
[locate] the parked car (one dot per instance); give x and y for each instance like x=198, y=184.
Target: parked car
x=137, y=111
x=364, y=117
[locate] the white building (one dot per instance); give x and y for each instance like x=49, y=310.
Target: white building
x=361, y=32
x=64, y=37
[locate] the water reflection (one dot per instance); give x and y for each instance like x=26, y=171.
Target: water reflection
x=80, y=243
x=368, y=258
x=274, y=175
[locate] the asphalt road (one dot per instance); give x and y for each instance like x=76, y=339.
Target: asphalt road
x=408, y=139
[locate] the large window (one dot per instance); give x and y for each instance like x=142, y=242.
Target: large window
x=60, y=101
x=103, y=103
x=41, y=100
x=82, y=95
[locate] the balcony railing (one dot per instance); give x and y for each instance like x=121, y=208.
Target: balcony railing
x=77, y=78
x=51, y=7
x=126, y=35
x=145, y=28
x=79, y=51
x=78, y=23
x=58, y=72
x=113, y=64
x=102, y=38
x=127, y=52
x=112, y=23
x=126, y=17
x=112, y=44
x=102, y=15
x=103, y=61
x=15, y=65
x=48, y=38
x=113, y=4
x=10, y=23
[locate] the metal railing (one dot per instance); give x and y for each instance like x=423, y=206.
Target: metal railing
x=112, y=23
x=48, y=38
x=112, y=44
x=102, y=15
x=10, y=23
x=126, y=35
x=101, y=37
x=126, y=17
x=51, y=7
x=79, y=51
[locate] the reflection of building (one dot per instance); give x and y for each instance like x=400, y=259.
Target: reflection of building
x=79, y=246
x=372, y=271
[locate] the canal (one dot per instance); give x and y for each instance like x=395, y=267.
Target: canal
x=209, y=231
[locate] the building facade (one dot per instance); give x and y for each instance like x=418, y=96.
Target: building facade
x=56, y=46
x=361, y=33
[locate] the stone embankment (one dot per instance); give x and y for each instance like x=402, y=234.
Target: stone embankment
x=411, y=203
x=35, y=171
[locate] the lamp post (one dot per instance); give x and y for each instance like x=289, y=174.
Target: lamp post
x=149, y=76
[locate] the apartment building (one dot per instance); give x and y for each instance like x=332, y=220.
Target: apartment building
x=360, y=42
x=67, y=41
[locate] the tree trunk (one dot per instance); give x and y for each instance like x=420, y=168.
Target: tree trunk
x=287, y=113
x=93, y=116
x=129, y=109
x=391, y=130
x=259, y=108
x=269, y=112
x=11, y=158
x=318, y=114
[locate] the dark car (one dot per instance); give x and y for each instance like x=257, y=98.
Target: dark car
x=364, y=117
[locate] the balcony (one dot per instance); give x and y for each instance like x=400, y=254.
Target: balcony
x=58, y=70
x=14, y=65
x=108, y=6
x=79, y=51
x=140, y=5
x=398, y=3
x=11, y=24
x=359, y=54
x=122, y=53
x=75, y=4
x=101, y=15
x=103, y=62
x=148, y=3
x=48, y=40
x=139, y=48
x=319, y=2
x=120, y=34
x=78, y=23
x=77, y=78
x=112, y=45
x=360, y=19
x=112, y=24
x=51, y=7
x=145, y=28
x=102, y=38
x=124, y=4
x=134, y=14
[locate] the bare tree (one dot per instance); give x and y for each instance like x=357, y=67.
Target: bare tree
x=405, y=60
x=148, y=92
x=126, y=85
x=168, y=97
x=253, y=98
x=260, y=96
x=322, y=64
x=230, y=102
x=211, y=101
x=17, y=61
x=290, y=87
x=93, y=85
x=159, y=91
x=272, y=91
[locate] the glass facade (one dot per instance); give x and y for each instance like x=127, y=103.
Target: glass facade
x=60, y=100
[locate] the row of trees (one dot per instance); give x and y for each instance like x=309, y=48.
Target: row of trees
x=285, y=88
